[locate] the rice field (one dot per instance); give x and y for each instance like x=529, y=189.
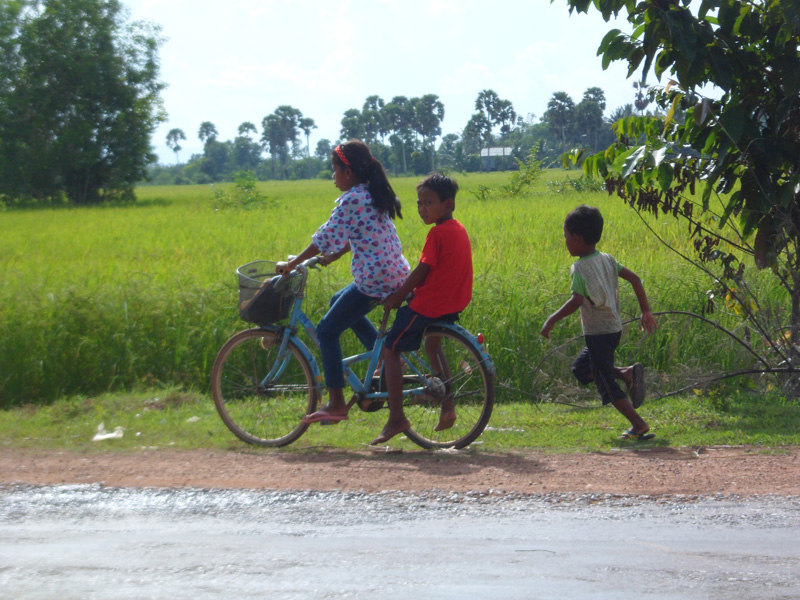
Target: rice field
x=104, y=299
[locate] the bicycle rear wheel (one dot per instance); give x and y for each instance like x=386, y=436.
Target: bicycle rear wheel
x=455, y=374
x=260, y=393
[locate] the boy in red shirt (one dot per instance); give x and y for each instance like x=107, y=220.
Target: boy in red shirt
x=442, y=286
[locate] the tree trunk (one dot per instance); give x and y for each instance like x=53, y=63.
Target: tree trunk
x=795, y=319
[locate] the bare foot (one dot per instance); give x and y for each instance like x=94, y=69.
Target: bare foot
x=390, y=430
x=625, y=374
x=447, y=418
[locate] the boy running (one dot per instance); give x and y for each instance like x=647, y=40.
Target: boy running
x=595, y=290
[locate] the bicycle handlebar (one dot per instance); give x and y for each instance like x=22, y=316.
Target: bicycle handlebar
x=307, y=264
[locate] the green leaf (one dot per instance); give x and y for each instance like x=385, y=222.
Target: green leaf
x=733, y=203
x=665, y=175
x=732, y=120
x=707, y=189
x=701, y=111
x=657, y=156
x=721, y=68
x=632, y=161
x=610, y=37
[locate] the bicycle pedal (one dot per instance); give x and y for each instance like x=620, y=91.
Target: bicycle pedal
x=371, y=405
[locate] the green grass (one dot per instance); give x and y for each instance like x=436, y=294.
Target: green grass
x=179, y=420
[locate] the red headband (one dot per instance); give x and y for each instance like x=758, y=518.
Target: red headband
x=342, y=157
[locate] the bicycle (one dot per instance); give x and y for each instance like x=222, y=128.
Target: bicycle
x=265, y=379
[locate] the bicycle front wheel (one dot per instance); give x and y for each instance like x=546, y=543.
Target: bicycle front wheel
x=260, y=392
x=459, y=386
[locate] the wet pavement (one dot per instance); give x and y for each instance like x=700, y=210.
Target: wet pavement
x=92, y=542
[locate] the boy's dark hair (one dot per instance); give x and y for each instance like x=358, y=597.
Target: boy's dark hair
x=442, y=185
x=369, y=170
x=587, y=222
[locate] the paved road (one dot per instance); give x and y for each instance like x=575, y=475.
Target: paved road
x=71, y=542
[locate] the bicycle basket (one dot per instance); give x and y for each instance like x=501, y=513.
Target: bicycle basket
x=264, y=297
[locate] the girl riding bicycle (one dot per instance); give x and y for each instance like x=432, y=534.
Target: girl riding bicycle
x=361, y=222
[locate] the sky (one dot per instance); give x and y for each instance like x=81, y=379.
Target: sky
x=233, y=61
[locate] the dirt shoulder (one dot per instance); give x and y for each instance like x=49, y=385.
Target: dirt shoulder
x=653, y=472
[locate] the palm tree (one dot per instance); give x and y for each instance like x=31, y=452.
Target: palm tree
x=306, y=125
x=429, y=112
x=559, y=113
x=399, y=117
x=246, y=128
x=174, y=138
x=207, y=132
x=505, y=117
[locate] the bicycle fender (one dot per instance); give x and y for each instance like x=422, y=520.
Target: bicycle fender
x=485, y=358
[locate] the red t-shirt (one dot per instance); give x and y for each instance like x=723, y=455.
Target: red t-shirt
x=448, y=286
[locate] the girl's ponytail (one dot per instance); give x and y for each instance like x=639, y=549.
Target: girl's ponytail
x=369, y=170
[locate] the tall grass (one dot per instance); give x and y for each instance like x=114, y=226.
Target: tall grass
x=103, y=299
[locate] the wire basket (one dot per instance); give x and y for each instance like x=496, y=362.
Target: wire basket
x=264, y=297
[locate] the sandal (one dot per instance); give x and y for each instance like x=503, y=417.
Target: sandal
x=636, y=386
x=629, y=435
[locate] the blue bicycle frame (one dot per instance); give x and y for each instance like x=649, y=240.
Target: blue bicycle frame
x=372, y=357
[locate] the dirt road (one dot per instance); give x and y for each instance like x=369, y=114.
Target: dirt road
x=655, y=472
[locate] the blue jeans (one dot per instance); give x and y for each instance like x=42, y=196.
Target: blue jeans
x=348, y=310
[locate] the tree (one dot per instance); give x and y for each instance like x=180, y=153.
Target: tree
x=495, y=111
x=174, y=138
x=559, y=115
x=280, y=129
x=597, y=95
x=245, y=153
x=486, y=103
x=589, y=116
x=739, y=152
x=246, y=129
x=10, y=22
x=79, y=100
x=429, y=112
x=207, y=132
x=400, y=117
x=323, y=151
x=622, y=112
x=451, y=153
x=352, y=125
x=306, y=125
x=273, y=138
x=214, y=164
x=505, y=117
x=477, y=130
x=373, y=119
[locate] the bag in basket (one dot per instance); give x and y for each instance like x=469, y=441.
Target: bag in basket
x=272, y=302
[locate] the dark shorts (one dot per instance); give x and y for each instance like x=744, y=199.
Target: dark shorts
x=408, y=327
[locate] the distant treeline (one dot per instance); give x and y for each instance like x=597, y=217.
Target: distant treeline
x=404, y=134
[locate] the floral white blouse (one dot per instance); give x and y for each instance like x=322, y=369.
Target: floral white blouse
x=378, y=265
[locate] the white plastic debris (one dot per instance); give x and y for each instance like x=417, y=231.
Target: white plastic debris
x=102, y=434
x=193, y=419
